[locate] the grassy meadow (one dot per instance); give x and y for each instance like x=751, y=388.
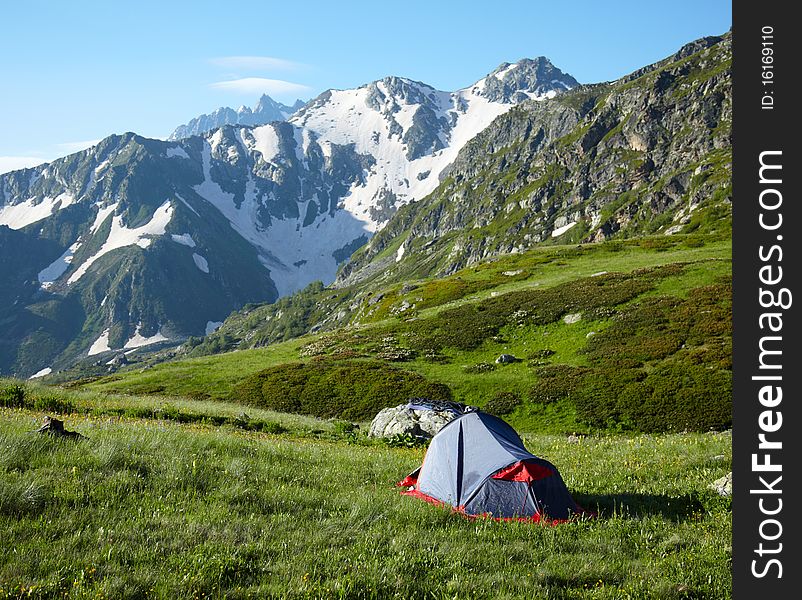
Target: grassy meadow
x=154, y=508
x=248, y=474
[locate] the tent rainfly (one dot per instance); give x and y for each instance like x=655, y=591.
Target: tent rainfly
x=479, y=465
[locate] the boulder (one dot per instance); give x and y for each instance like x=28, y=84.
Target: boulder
x=420, y=419
x=55, y=427
x=506, y=359
x=723, y=486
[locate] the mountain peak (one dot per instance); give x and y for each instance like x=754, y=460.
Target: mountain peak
x=265, y=111
x=528, y=77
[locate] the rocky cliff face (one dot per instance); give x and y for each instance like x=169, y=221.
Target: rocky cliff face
x=649, y=153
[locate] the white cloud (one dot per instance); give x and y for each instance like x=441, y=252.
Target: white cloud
x=71, y=147
x=260, y=85
x=255, y=63
x=13, y=163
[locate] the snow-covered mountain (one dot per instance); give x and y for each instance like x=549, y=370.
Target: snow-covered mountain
x=413, y=131
x=265, y=111
x=136, y=241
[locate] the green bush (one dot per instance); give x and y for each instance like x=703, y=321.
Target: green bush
x=51, y=403
x=12, y=396
x=352, y=390
x=663, y=364
x=502, y=403
x=556, y=382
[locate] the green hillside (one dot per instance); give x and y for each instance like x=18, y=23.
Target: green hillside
x=601, y=332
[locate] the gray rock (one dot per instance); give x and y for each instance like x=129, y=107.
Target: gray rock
x=572, y=318
x=119, y=360
x=506, y=359
x=402, y=420
x=723, y=486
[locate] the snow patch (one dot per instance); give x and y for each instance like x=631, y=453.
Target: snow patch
x=501, y=74
x=57, y=268
x=184, y=239
x=138, y=340
x=17, y=216
x=187, y=204
x=121, y=236
x=266, y=142
x=101, y=166
x=561, y=230
x=400, y=254
x=200, y=262
x=42, y=373
x=100, y=217
x=177, y=152
x=101, y=344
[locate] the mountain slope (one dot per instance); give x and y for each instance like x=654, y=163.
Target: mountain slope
x=149, y=242
x=265, y=111
x=650, y=153
x=647, y=154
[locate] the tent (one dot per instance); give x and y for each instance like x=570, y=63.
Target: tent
x=478, y=464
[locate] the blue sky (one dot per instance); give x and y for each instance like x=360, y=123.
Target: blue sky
x=75, y=72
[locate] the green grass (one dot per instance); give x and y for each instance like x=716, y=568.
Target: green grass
x=44, y=398
x=154, y=509
x=443, y=342
x=210, y=376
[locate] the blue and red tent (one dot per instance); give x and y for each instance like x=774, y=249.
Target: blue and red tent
x=478, y=464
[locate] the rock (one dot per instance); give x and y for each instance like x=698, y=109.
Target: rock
x=574, y=439
x=413, y=419
x=53, y=426
x=512, y=273
x=590, y=334
x=572, y=318
x=119, y=360
x=723, y=486
x=506, y=359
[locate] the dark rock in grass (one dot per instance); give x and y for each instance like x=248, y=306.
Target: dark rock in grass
x=507, y=359
x=419, y=418
x=55, y=427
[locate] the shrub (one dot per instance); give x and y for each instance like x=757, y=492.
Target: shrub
x=353, y=390
x=12, y=396
x=53, y=404
x=556, y=382
x=502, y=403
x=664, y=364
